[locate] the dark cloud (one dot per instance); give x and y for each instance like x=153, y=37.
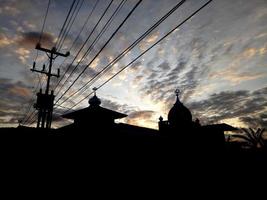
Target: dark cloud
x=174, y=72
x=135, y=67
x=164, y=66
x=182, y=76
x=138, y=79
x=248, y=107
x=110, y=104
x=113, y=105
x=15, y=97
x=255, y=122
x=30, y=39
x=14, y=91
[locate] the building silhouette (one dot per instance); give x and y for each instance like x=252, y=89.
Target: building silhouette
x=94, y=115
x=179, y=128
x=96, y=119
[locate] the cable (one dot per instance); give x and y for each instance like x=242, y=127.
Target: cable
x=42, y=30
x=162, y=38
x=27, y=113
x=33, y=119
x=64, y=24
x=121, y=55
x=37, y=54
x=70, y=23
x=85, y=23
x=96, y=39
x=41, y=38
x=29, y=117
x=76, y=39
x=129, y=14
x=86, y=42
x=65, y=31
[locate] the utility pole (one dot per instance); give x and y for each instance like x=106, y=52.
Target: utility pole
x=45, y=101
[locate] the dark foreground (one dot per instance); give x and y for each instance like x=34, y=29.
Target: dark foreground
x=112, y=163
x=115, y=148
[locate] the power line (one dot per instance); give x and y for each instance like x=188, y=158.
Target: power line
x=64, y=24
x=122, y=54
x=99, y=20
x=46, y=13
x=37, y=54
x=114, y=33
x=31, y=103
x=30, y=116
x=162, y=38
x=60, y=41
x=70, y=23
x=42, y=29
x=33, y=118
x=76, y=39
x=105, y=27
x=85, y=23
x=26, y=119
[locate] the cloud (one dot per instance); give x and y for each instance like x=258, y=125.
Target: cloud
x=144, y=118
x=30, y=39
x=5, y=41
x=9, y=10
x=23, y=54
x=239, y=69
x=248, y=107
x=14, y=98
x=115, y=105
x=235, y=77
x=12, y=90
x=148, y=41
x=20, y=91
x=164, y=66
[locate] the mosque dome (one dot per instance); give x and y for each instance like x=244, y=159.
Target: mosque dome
x=179, y=115
x=94, y=101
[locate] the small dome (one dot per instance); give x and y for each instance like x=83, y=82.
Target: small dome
x=179, y=115
x=94, y=101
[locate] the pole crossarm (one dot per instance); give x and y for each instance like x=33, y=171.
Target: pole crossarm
x=51, y=51
x=45, y=72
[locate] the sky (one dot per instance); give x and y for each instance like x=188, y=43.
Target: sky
x=217, y=59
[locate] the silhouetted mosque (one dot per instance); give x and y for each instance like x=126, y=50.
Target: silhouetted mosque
x=181, y=126
x=96, y=119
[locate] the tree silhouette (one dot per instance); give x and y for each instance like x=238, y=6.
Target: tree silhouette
x=254, y=139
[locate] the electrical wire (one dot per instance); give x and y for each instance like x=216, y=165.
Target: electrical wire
x=129, y=64
x=107, y=42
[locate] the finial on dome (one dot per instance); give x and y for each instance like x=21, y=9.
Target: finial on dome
x=177, y=92
x=95, y=89
x=94, y=101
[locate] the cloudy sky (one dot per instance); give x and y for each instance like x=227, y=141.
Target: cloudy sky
x=218, y=59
